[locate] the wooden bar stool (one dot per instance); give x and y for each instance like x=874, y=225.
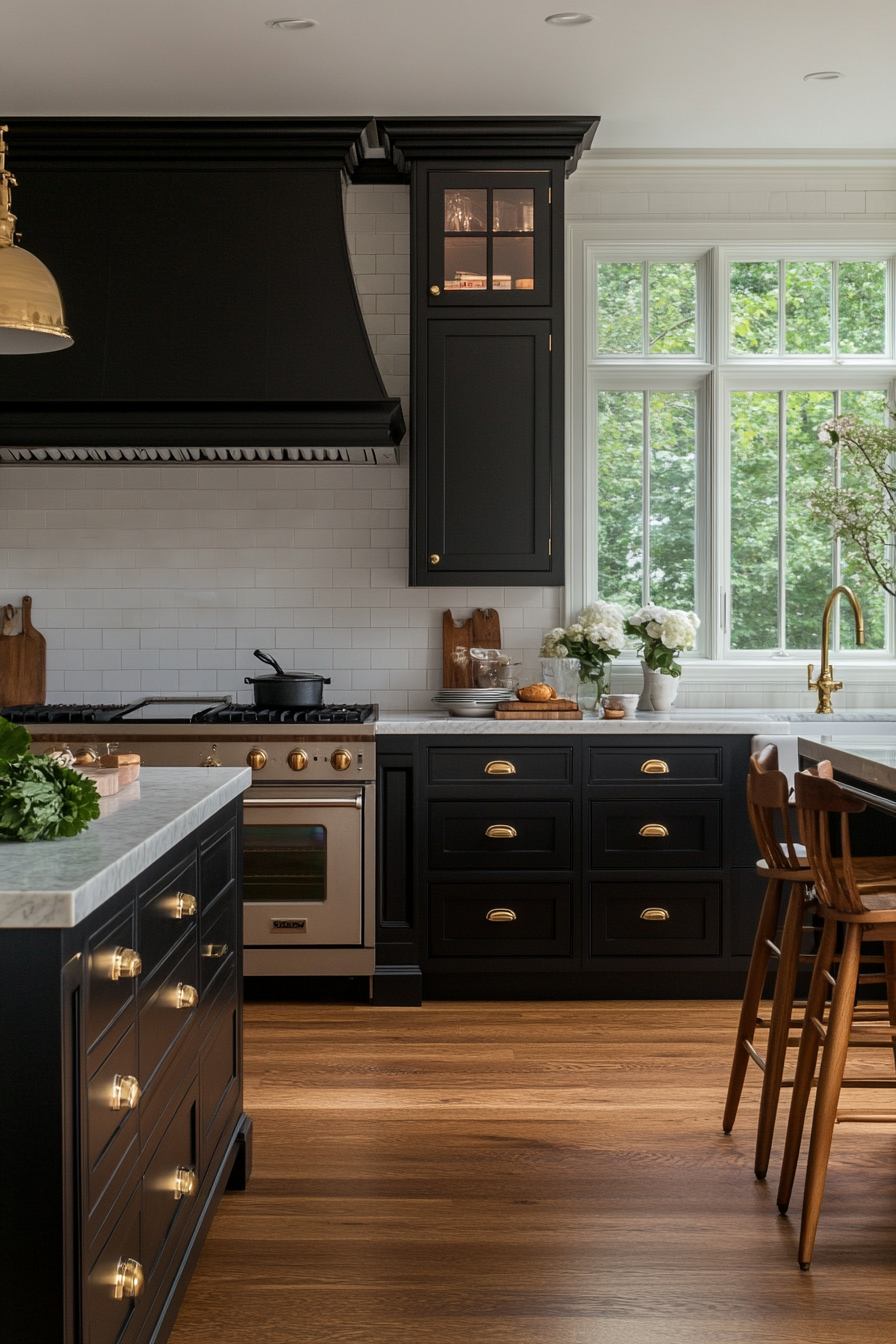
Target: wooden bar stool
x=863, y=915
x=783, y=862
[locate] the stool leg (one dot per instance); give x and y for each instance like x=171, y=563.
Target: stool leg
x=833, y=1061
x=779, y=1033
x=746, y=1026
x=890, y=968
x=805, y=1064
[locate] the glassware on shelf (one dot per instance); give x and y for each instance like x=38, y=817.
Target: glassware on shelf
x=466, y=211
x=513, y=210
x=493, y=668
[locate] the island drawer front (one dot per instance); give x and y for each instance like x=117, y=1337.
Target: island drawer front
x=640, y=765
x=112, y=1320
x=109, y=1001
x=164, y=916
x=460, y=927
x=489, y=765
x=110, y=1132
x=655, y=919
x=630, y=835
x=162, y=1020
x=505, y=835
x=162, y=1212
x=217, y=866
x=218, y=1080
x=217, y=945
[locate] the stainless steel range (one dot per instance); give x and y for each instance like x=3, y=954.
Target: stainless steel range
x=308, y=872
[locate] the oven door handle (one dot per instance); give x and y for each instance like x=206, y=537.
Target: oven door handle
x=303, y=802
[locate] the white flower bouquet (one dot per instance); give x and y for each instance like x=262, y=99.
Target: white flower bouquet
x=595, y=637
x=660, y=633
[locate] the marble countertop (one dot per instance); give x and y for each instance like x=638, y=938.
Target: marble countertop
x=56, y=883
x=685, y=721
x=869, y=759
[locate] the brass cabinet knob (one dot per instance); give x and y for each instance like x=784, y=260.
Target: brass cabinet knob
x=187, y=996
x=126, y=964
x=654, y=768
x=434, y=289
x=434, y=559
x=257, y=758
x=125, y=1092
x=500, y=768
x=654, y=912
x=185, y=1182
x=341, y=759
x=654, y=831
x=214, y=950
x=501, y=833
x=129, y=1279
x=297, y=760
x=501, y=916
x=184, y=904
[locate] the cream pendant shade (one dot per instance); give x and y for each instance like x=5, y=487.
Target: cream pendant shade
x=31, y=317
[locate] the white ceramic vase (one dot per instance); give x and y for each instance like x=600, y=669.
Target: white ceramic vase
x=659, y=690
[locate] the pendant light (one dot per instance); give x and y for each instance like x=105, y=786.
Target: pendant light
x=31, y=317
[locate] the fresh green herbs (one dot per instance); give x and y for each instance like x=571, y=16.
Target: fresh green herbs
x=39, y=799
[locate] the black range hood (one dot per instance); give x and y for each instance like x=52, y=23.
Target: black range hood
x=206, y=279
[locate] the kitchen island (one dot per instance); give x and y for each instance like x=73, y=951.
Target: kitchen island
x=120, y=1058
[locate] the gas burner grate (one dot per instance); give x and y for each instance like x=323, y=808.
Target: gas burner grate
x=255, y=714
x=68, y=713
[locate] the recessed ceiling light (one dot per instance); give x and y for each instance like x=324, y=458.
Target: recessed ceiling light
x=568, y=19
x=290, y=24
x=824, y=74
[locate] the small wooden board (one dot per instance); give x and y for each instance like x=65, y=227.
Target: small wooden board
x=534, y=713
x=23, y=661
x=525, y=706
x=482, y=630
x=107, y=782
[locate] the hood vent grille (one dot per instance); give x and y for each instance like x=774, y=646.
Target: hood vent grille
x=189, y=456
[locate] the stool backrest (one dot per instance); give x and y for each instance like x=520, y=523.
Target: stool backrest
x=767, y=795
x=817, y=798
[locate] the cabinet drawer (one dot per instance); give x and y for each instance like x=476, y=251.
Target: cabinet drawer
x=110, y=1131
x=111, y=1319
x=167, y=912
x=460, y=927
x=523, y=765
x=217, y=1080
x=217, y=866
x=167, y=1197
x=109, y=999
x=655, y=919
x=217, y=943
x=655, y=767
x=162, y=1020
x=655, y=834
x=500, y=835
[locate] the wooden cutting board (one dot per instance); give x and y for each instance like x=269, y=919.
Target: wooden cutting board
x=533, y=713
x=482, y=630
x=23, y=660
x=526, y=706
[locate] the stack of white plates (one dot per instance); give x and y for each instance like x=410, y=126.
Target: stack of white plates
x=477, y=703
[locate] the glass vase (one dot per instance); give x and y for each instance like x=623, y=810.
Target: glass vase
x=593, y=683
x=563, y=675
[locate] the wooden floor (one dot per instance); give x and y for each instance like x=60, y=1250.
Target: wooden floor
x=529, y=1174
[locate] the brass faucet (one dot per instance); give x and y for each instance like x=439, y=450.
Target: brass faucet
x=826, y=683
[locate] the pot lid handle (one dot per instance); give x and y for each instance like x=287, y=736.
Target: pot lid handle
x=271, y=662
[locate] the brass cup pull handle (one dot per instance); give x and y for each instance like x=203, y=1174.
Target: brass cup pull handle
x=185, y=1182
x=654, y=831
x=654, y=912
x=125, y=1092
x=501, y=916
x=126, y=964
x=187, y=996
x=501, y=832
x=654, y=768
x=129, y=1279
x=214, y=950
x=185, y=904
x=500, y=768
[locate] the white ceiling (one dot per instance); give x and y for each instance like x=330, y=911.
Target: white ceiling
x=660, y=73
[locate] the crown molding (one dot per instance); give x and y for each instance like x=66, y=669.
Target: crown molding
x=734, y=160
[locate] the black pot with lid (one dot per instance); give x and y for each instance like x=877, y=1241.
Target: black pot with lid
x=286, y=690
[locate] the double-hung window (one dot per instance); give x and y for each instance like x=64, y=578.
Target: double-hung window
x=706, y=374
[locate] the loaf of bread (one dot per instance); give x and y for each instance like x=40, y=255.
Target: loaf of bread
x=538, y=691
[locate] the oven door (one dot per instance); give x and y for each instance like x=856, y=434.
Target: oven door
x=302, y=868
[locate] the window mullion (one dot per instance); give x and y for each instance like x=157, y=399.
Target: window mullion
x=645, y=499
x=782, y=522
x=782, y=305
x=836, y=558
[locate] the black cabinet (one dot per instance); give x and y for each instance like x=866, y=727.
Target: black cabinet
x=487, y=280
x=570, y=866
x=122, y=1120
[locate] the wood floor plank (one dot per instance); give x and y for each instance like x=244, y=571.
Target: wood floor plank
x=529, y=1174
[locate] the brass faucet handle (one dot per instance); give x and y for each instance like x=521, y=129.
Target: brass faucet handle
x=813, y=685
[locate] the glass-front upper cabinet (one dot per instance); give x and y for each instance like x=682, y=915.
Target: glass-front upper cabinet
x=489, y=239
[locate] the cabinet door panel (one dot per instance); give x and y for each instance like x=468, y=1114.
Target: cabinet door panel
x=510, y=766
x=163, y=917
x=163, y=1202
x=111, y=1318
x=639, y=765
x=500, y=835
x=655, y=919
x=656, y=834
x=217, y=1081
x=489, y=447
x=541, y=925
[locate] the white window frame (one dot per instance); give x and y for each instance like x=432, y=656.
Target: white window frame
x=715, y=372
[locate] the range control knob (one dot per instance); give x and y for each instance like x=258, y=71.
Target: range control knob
x=341, y=759
x=297, y=760
x=257, y=758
